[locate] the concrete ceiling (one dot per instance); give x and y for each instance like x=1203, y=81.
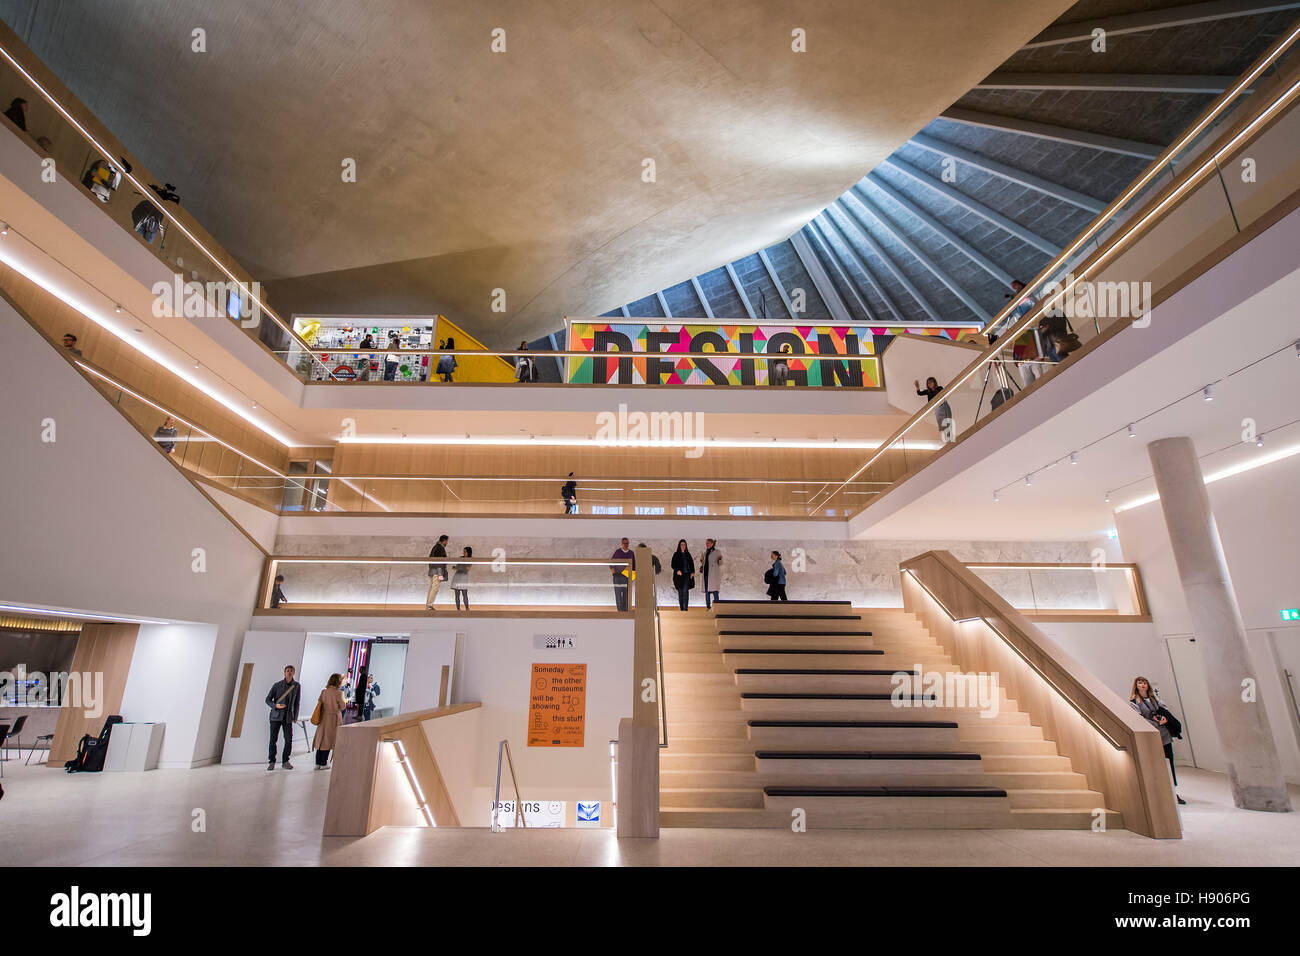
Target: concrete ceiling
x=520, y=170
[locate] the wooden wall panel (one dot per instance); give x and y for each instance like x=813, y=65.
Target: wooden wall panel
x=102, y=648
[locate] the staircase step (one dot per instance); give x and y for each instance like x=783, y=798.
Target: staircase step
x=891, y=792
x=835, y=651
x=1056, y=799
x=704, y=745
x=1050, y=819
x=706, y=761
x=865, y=755
x=846, y=632
x=721, y=797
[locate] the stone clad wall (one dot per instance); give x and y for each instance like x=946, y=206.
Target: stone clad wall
x=865, y=572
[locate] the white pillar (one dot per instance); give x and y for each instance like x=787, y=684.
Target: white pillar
x=1244, y=732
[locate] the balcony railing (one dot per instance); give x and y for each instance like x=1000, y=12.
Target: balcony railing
x=316, y=584
x=1226, y=173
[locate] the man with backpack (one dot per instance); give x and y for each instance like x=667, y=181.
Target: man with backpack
x=283, y=699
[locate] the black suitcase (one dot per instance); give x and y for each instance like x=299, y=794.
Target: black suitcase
x=91, y=751
x=1000, y=396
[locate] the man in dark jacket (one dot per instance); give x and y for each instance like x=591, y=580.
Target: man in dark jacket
x=283, y=699
x=368, y=702
x=570, y=495
x=437, y=572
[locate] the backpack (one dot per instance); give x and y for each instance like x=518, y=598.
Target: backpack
x=91, y=751
x=1000, y=396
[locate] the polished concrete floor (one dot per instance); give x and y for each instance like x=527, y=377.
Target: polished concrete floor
x=255, y=817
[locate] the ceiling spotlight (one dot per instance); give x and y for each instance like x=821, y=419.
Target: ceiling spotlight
x=1028, y=480
x=1074, y=457
x=1208, y=392
x=4, y=231
x=1132, y=432
x=1259, y=440
x=196, y=364
x=117, y=309
x=1108, y=497
x=995, y=496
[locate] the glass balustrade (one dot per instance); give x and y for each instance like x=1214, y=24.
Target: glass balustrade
x=1067, y=590
x=488, y=583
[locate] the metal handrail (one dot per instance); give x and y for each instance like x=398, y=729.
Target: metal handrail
x=503, y=748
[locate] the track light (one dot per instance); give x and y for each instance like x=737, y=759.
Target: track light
x=4, y=231
x=995, y=497
x=1029, y=479
x=1132, y=432
x=1074, y=457
x=1208, y=392
x=1108, y=497
x=1259, y=440
x=117, y=309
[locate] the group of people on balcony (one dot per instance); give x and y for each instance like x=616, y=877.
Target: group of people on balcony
x=1056, y=340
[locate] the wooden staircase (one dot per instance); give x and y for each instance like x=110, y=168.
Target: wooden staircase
x=776, y=706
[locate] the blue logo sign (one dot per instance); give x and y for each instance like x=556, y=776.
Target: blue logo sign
x=589, y=811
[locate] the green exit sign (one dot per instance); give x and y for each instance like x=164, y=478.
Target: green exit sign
x=1291, y=614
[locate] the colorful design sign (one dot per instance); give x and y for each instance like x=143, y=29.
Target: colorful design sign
x=821, y=355
x=557, y=705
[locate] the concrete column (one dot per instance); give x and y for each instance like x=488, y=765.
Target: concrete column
x=1244, y=732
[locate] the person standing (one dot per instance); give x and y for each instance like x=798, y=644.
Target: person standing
x=711, y=572
x=70, y=343
x=683, y=566
x=368, y=703
x=447, y=363
x=166, y=435
x=283, y=699
x=460, y=580
x=942, y=412
x=17, y=113
x=393, y=359
x=437, y=572
x=570, y=495
x=1144, y=700
x=780, y=373
x=331, y=703
x=775, y=578
x=523, y=365
x=622, y=573
x=277, y=593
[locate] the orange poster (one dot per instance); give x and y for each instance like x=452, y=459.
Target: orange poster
x=557, y=705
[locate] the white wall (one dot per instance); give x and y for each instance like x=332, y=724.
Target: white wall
x=1260, y=526
x=323, y=655
x=270, y=652
x=164, y=685
x=495, y=667
x=98, y=521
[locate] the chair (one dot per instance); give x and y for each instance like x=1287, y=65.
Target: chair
x=48, y=739
x=16, y=735
x=4, y=735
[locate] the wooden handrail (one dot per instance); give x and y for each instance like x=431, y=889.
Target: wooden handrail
x=1105, y=739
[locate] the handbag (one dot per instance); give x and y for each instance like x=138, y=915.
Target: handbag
x=769, y=576
x=1067, y=341
x=1172, y=723
x=315, y=714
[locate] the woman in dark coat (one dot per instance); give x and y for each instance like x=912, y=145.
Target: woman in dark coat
x=683, y=574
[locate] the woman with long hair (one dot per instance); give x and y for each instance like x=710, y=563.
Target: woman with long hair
x=460, y=579
x=328, y=719
x=683, y=574
x=1143, y=699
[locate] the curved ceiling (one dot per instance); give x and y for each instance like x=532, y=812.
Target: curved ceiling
x=520, y=170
